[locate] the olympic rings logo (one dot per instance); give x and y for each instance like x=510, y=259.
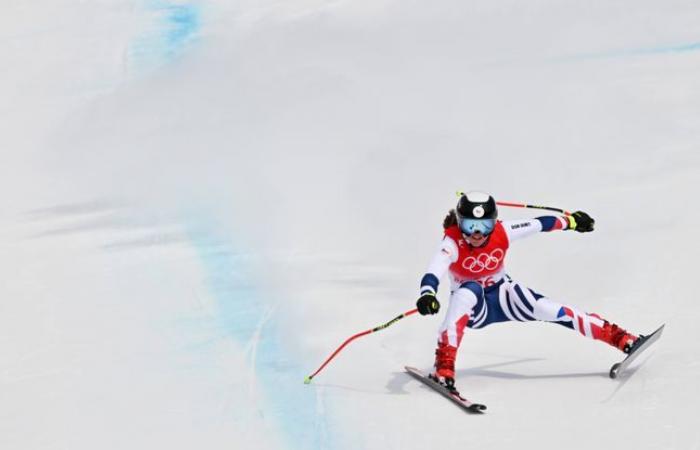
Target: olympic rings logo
x=484, y=261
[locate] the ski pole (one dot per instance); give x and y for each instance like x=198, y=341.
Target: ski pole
x=523, y=205
x=308, y=379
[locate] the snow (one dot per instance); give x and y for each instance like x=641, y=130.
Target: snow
x=201, y=200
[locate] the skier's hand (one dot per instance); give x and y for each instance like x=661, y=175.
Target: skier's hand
x=581, y=222
x=428, y=304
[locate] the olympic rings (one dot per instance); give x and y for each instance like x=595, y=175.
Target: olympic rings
x=484, y=261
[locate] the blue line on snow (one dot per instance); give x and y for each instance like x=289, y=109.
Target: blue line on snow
x=241, y=310
x=669, y=49
x=183, y=23
x=175, y=27
x=289, y=403
x=680, y=48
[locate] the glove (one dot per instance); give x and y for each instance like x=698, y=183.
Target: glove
x=428, y=304
x=581, y=222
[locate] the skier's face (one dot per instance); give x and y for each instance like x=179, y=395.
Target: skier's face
x=476, y=239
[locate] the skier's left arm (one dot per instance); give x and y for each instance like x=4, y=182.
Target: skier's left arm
x=439, y=265
x=518, y=229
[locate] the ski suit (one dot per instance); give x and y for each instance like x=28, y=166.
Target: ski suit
x=481, y=291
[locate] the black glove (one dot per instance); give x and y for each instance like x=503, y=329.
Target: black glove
x=581, y=222
x=428, y=304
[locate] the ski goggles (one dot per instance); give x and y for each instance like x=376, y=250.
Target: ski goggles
x=471, y=226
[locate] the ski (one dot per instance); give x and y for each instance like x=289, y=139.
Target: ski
x=638, y=347
x=456, y=398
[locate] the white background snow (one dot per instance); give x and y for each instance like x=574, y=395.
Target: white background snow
x=200, y=200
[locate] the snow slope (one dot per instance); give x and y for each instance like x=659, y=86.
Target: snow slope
x=201, y=200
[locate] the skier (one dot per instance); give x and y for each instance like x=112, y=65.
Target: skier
x=473, y=252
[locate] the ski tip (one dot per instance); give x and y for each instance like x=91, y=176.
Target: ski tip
x=613, y=371
x=659, y=330
x=307, y=380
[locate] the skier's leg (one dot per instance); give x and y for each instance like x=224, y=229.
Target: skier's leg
x=465, y=302
x=524, y=304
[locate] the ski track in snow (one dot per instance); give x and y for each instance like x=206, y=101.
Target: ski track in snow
x=251, y=347
x=627, y=375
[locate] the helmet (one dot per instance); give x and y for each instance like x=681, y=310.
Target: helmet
x=476, y=211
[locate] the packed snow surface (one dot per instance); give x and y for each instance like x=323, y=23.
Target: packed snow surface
x=202, y=199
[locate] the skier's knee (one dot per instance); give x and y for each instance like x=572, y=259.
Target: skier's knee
x=469, y=294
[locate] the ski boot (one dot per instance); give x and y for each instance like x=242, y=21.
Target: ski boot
x=444, y=373
x=617, y=337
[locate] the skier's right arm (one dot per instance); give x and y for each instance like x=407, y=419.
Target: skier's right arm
x=445, y=255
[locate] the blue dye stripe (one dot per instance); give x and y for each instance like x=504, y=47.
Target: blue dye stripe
x=183, y=22
x=175, y=27
x=690, y=47
x=240, y=310
x=662, y=49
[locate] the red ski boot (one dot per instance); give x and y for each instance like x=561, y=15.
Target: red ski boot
x=617, y=337
x=444, y=373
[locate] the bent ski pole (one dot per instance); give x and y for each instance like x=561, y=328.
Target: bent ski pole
x=308, y=379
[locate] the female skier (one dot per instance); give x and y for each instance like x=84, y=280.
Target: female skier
x=473, y=252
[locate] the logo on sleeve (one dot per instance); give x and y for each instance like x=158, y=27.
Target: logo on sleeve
x=515, y=226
